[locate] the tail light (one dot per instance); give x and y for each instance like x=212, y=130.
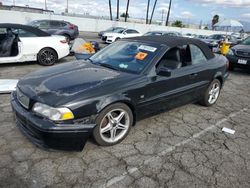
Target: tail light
x=72, y=26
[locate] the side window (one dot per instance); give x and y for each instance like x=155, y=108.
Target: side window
x=171, y=60
x=55, y=24
x=197, y=55
x=128, y=31
x=131, y=31
x=41, y=24
x=24, y=33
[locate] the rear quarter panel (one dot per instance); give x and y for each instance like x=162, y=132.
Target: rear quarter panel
x=32, y=45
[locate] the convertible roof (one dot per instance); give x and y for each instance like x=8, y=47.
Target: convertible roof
x=31, y=29
x=172, y=41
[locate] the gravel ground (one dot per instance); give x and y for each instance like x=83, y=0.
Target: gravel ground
x=184, y=147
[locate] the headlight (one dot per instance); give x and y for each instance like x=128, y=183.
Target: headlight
x=230, y=52
x=54, y=114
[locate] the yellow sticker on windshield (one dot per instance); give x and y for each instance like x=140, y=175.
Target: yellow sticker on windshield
x=141, y=55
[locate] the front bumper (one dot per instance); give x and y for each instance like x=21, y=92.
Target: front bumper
x=45, y=133
x=234, y=61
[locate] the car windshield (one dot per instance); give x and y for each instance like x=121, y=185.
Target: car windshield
x=152, y=34
x=246, y=41
x=125, y=56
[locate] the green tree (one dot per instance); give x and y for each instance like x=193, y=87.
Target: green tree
x=177, y=23
x=215, y=20
x=123, y=15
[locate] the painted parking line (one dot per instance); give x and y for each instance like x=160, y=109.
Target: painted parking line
x=172, y=148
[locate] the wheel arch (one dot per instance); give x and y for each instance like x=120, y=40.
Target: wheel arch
x=219, y=77
x=124, y=101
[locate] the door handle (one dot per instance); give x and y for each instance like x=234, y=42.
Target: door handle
x=193, y=75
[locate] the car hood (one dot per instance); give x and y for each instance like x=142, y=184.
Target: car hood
x=61, y=84
x=242, y=47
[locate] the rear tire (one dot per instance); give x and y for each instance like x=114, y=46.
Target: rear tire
x=212, y=93
x=113, y=124
x=47, y=57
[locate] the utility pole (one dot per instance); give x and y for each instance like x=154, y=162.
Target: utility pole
x=126, y=16
x=110, y=10
x=67, y=7
x=169, y=8
x=45, y=4
x=117, y=15
x=14, y=2
x=152, y=12
x=147, y=11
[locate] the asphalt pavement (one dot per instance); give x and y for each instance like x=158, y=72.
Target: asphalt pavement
x=184, y=147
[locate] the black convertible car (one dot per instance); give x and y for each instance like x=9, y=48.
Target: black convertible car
x=60, y=107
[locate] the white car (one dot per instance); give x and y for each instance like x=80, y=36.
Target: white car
x=21, y=43
x=124, y=33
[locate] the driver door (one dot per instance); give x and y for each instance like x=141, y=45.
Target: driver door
x=178, y=88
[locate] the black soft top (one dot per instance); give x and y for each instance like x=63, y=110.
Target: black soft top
x=31, y=29
x=172, y=41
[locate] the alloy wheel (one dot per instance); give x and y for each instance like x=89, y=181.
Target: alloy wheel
x=214, y=93
x=114, y=125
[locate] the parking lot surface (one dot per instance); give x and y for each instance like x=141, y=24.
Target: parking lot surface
x=184, y=147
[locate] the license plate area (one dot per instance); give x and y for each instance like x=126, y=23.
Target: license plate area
x=242, y=61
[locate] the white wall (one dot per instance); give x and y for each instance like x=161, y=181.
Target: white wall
x=92, y=25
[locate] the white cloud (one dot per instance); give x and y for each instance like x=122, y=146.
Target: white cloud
x=224, y=3
x=187, y=14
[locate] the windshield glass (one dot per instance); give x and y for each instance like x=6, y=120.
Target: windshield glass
x=131, y=57
x=246, y=41
x=118, y=30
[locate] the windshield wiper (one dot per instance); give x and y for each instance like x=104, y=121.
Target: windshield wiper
x=109, y=66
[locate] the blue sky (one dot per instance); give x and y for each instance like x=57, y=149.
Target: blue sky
x=186, y=10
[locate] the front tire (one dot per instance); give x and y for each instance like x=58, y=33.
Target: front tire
x=231, y=67
x=113, y=124
x=212, y=93
x=47, y=57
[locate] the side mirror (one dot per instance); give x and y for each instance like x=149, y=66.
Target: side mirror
x=163, y=71
x=125, y=33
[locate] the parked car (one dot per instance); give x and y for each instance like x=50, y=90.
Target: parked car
x=57, y=27
x=126, y=33
x=189, y=35
x=109, y=30
x=239, y=55
x=104, y=35
x=213, y=41
x=21, y=43
x=164, y=33
x=129, y=80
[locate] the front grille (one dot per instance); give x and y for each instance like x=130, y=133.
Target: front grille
x=241, y=53
x=22, y=99
x=104, y=38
